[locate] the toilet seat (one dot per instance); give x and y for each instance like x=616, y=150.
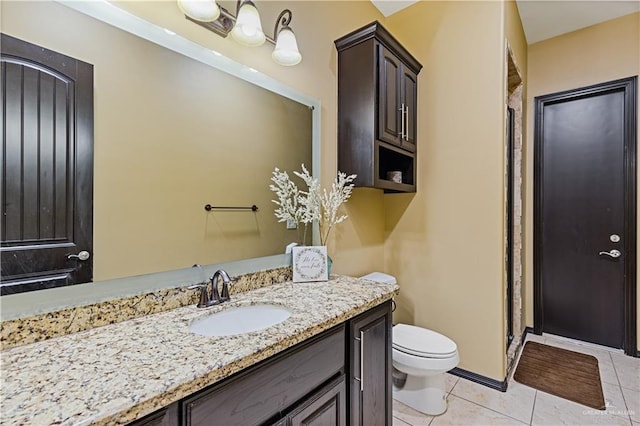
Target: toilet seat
x=422, y=342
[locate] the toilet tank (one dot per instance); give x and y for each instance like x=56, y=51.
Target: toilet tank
x=380, y=277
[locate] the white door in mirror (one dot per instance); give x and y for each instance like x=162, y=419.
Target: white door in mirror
x=239, y=320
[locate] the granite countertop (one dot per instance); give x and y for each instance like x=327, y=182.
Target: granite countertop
x=120, y=372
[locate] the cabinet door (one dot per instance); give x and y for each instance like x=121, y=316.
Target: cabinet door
x=389, y=124
x=409, y=100
x=328, y=407
x=167, y=416
x=370, y=368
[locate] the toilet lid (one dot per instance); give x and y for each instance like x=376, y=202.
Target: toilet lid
x=422, y=342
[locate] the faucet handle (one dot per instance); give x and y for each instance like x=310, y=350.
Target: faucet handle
x=204, y=295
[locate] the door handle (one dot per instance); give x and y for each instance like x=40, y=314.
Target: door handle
x=361, y=378
x=402, y=130
x=83, y=255
x=613, y=253
x=406, y=127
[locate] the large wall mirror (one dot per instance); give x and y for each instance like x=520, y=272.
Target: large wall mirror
x=176, y=127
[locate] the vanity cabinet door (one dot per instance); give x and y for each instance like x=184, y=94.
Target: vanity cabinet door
x=167, y=416
x=328, y=407
x=370, y=367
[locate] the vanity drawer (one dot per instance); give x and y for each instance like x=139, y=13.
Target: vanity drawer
x=263, y=391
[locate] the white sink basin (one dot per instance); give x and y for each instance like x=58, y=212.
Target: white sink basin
x=239, y=320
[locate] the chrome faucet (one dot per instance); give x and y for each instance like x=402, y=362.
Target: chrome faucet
x=215, y=297
x=226, y=279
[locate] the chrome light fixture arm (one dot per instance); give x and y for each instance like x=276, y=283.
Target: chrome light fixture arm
x=284, y=19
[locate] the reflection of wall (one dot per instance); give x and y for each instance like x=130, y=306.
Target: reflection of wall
x=596, y=54
x=172, y=135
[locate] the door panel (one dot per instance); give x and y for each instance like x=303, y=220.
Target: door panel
x=47, y=167
x=370, y=368
x=326, y=408
x=410, y=101
x=389, y=97
x=581, y=201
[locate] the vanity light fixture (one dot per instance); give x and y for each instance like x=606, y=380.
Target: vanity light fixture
x=245, y=27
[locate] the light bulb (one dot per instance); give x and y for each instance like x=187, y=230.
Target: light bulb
x=200, y=10
x=286, y=51
x=248, y=28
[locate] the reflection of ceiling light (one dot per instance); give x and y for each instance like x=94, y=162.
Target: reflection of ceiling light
x=201, y=10
x=168, y=31
x=246, y=28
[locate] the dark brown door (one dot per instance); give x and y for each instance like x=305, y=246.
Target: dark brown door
x=585, y=212
x=389, y=97
x=47, y=168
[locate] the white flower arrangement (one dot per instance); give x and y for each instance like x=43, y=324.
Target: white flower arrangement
x=314, y=204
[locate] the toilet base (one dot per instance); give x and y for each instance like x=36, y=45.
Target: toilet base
x=423, y=393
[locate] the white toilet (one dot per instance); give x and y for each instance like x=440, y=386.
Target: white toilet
x=423, y=356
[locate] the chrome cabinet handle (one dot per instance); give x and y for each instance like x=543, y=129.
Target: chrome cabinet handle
x=361, y=378
x=402, y=134
x=613, y=253
x=83, y=255
x=406, y=127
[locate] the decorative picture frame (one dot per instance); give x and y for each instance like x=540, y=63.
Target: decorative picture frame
x=310, y=264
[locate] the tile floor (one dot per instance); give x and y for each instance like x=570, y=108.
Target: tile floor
x=472, y=404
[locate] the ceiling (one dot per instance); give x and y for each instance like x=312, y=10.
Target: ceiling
x=543, y=19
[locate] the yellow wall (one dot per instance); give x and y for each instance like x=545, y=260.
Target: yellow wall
x=592, y=55
x=171, y=135
x=514, y=33
x=445, y=243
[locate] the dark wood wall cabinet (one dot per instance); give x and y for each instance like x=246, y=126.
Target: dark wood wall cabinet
x=377, y=109
x=340, y=377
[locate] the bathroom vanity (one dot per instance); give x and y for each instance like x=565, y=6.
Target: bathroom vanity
x=328, y=363
x=342, y=370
